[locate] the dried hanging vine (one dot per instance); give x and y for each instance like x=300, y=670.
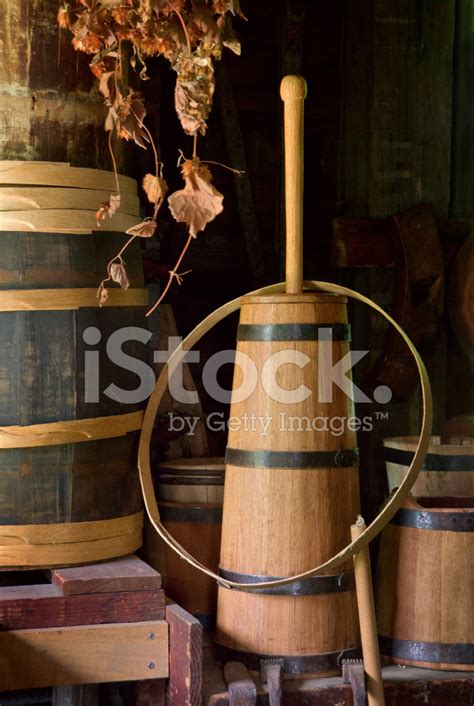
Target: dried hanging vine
x=191, y=35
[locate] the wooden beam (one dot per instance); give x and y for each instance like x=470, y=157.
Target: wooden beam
x=83, y=655
x=185, y=638
x=127, y=574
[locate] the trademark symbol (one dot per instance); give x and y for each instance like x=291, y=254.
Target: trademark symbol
x=381, y=416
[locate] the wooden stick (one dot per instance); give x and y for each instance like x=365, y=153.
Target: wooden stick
x=368, y=626
x=293, y=92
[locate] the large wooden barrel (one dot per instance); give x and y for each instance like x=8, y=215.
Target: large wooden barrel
x=190, y=493
x=69, y=490
x=448, y=469
x=425, y=583
x=291, y=489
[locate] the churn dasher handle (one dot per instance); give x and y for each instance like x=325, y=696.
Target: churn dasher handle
x=293, y=91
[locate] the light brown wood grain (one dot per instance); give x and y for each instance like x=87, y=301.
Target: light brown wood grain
x=62, y=174
x=281, y=522
x=293, y=92
x=27, y=198
x=81, y=655
x=67, y=299
x=70, y=432
x=61, y=544
x=432, y=483
x=425, y=584
x=82, y=222
x=367, y=621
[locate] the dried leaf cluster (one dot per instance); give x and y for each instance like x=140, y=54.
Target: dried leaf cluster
x=191, y=35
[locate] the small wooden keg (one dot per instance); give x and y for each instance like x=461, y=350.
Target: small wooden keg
x=425, y=585
x=448, y=469
x=291, y=490
x=190, y=493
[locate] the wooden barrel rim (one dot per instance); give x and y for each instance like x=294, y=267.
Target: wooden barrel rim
x=20, y=197
x=389, y=509
x=435, y=447
x=68, y=299
x=70, y=532
x=70, y=432
x=310, y=297
x=191, y=479
x=199, y=464
x=62, y=174
x=67, y=221
x=442, y=519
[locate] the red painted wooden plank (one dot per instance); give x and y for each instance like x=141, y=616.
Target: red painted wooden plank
x=127, y=574
x=185, y=640
x=26, y=607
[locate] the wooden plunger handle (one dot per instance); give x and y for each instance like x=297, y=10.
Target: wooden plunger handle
x=293, y=92
x=368, y=625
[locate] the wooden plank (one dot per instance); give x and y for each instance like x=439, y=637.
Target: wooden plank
x=85, y=695
x=63, y=221
x=410, y=136
x=150, y=693
x=241, y=686
x=185, y=667
x=83, y=655
x=462, y=174
x=126, y=574
x=44, y=606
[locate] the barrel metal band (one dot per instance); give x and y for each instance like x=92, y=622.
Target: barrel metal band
x=448, y=653
x=292, y=664
x=294, y=332
x=432, y=462
x=191, y=480
x=342, y=458
x=68, y=299
x=185, y=513
x=441, y=521
x=70, y=432
x=316, y=586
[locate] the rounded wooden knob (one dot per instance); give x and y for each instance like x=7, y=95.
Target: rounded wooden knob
x=293, y=88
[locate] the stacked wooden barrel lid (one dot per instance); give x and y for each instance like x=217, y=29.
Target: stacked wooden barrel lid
x=69, y=490
x=190, y=493
x=426, y=572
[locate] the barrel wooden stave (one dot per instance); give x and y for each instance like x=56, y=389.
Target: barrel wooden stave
x=424, y=588
x=282, y=521
x=448, y=469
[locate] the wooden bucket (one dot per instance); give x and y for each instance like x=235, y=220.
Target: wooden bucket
x=190, y=493
x=291, y=491
x=425, y=582
x=69, y=488
x=448, y=469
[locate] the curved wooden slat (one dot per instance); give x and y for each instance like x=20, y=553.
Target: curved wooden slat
x=62, y=221
x=69, y=432
x=62, y=174
x=27, y=198
x=67, y=299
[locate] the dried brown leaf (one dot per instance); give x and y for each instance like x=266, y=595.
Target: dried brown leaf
x=102, y=294
x=199, y=202
x=64, y=19
x=118, y=274
x=145, y=229
x=108, y=208
x=155, y=188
